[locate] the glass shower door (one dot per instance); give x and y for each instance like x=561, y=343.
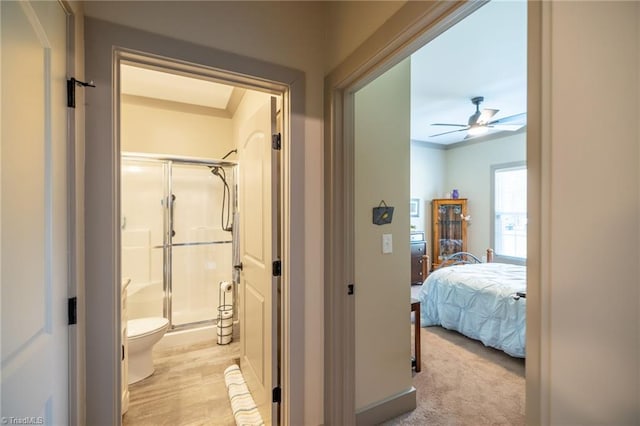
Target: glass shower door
x=201, y=249
x=142, y=236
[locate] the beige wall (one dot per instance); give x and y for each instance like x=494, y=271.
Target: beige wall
x=381, y=280
x=591, y=181
x=161, y=127
x=350, y=23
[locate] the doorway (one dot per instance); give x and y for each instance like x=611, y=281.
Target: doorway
x=103, y=213
x=197, y=231
x=343, y=84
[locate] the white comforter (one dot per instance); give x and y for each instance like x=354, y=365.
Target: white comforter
x=478, y=301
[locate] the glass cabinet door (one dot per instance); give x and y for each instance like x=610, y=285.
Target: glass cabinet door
x=449, y=228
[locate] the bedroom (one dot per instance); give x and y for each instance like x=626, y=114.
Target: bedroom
x=436, y=169
x=472, y=165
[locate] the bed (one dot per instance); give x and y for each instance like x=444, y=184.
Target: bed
x=483, y=301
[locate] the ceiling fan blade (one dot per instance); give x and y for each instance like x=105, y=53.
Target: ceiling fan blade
x=446, y=133
x=509, y=127
x=448, y=124
x=486, y=115
x=516, y=119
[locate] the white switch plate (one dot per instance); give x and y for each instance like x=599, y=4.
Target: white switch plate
x=387, y=244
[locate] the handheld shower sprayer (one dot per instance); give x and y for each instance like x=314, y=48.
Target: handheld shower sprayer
x=226, y=198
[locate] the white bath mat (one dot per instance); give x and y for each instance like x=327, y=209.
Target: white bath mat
x=244, y=408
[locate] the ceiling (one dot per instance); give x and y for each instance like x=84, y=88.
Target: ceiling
x=173, y=87
x=483, y=55
x=219, y=99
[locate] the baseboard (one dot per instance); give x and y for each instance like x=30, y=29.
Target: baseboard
x=387, y=409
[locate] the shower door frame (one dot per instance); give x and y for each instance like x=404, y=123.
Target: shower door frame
x=167, y=162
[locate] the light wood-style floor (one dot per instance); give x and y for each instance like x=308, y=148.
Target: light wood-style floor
x=187, y=387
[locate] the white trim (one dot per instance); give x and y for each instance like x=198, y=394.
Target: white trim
x=539, y=255
x=389, y=408
x=106, y=45
x=76, y=283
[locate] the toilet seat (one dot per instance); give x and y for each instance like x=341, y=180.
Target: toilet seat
x=141, y=327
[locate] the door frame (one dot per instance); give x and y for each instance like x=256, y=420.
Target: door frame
x=413, y=26
x=75, y=287
x=108, y=44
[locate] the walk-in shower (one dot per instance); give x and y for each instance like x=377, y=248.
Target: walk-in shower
x=176, y=219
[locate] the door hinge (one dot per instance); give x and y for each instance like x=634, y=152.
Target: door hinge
x=71, y=90
x=72, y=309
x=276, y=141
x=277, y=268
x=350, y=289
x=277, y=395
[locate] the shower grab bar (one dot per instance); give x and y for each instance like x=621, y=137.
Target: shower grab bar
x=172, y=206
x=201, y=243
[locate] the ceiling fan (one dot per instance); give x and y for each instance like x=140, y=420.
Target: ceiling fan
x=479, y=123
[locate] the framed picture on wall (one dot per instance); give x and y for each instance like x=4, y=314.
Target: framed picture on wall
x=414, y=207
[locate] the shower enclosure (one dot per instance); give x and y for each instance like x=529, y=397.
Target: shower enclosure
x=176, y=220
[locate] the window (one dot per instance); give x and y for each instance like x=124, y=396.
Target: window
x=509, y=236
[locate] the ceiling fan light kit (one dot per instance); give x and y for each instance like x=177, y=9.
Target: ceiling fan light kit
x=477, y=130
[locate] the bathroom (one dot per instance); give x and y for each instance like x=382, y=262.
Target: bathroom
x=180, y=210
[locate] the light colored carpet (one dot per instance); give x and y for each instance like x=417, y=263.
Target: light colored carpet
x=463, y=382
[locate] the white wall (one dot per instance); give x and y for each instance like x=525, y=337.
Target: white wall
x=428, y=170
x=590, y=180
x=468, y=169
x=382, y=294
x=176, y=129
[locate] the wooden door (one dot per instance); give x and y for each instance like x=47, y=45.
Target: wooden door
x=34, y=211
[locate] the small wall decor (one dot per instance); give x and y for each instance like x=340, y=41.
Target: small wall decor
x=414, y=207
x=382, y=214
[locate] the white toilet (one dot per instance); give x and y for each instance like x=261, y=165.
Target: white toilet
x=142, y=335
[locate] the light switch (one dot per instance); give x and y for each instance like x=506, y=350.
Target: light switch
x=387, y=244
